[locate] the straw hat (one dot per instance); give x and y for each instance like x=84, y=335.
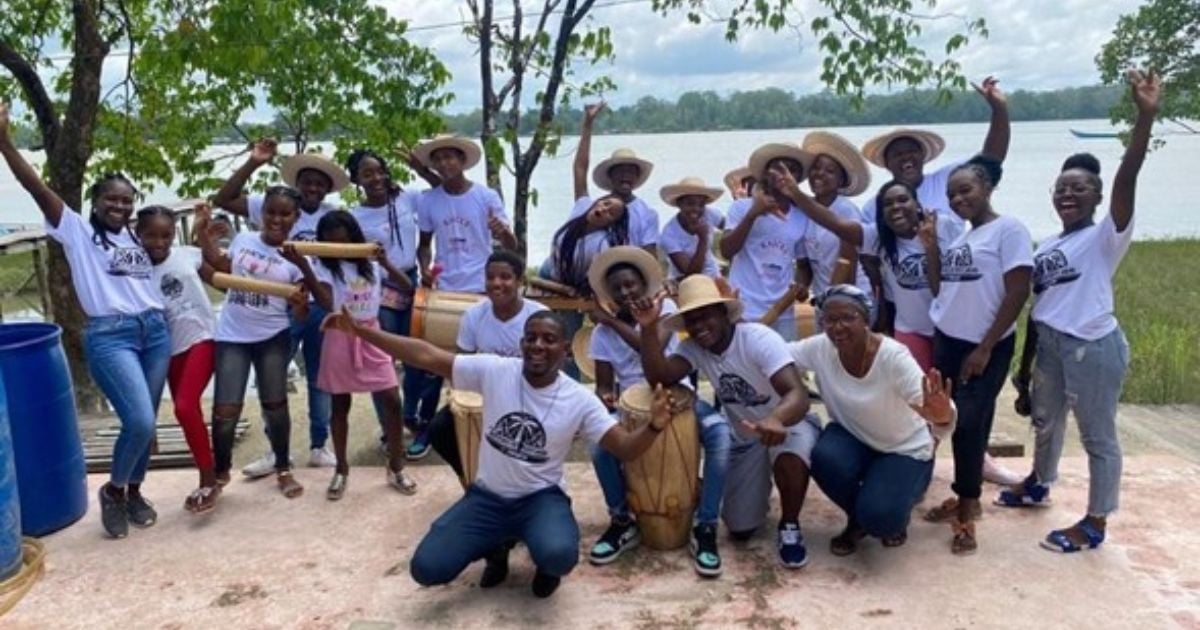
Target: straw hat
x=424, y=151
x=689, y=186
x=874, y=149
x=580, y=344
x=733, y=179
x=312, y=161
x=636, y=256
x=767, y=152
x=841, y=151
x=696, y=292
x=619, y=157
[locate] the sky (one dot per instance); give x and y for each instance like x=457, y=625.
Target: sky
x=666, y=56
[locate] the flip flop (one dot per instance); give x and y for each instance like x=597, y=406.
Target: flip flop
x=288, y=484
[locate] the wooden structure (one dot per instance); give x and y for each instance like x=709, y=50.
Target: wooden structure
x=21, y=238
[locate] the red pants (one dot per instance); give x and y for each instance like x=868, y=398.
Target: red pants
x=189, y=375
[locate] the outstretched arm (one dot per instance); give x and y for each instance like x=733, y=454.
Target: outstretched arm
x=408, y=350
x=845, y=229
x=230, y=197
x=999, y=130
x=1147, y=92
x=626, y=444
x=579, y=169
x=47, y=200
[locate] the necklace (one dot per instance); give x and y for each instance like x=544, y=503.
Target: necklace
x=525, y=384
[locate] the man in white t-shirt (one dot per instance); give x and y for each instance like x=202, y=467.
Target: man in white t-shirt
x=688, y=236
x=531, y=415
x=314, y=177
x=762, y=397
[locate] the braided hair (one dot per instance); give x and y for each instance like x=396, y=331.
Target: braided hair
x=340, y=219
x=887, y=237
x=100, y=232
x=987, y=168
x=144, y=214
x=353, y=164
x=570, y=266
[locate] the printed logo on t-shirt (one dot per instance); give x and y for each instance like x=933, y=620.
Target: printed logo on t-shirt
x=910, y=272
x=519, y=436
x=171, y=287
x=959, y=266
x=133, y=262
x=304, y=235
x=735, y=390
x=1052, y=268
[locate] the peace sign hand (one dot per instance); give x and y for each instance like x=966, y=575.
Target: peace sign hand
x=647, y=310
x=990, y=91
x=936, y=394
x=927, y=231
x=1147, y=90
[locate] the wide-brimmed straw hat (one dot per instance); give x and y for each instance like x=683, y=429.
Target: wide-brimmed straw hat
x=312, y=161
x=733, y=179
x=767, y=152
x=689, y=186
x=619, y=157
x=874, y=149
x=696, y=292
x=469, y=149
x=580, y=344
x=636, y=256
x=858, y=176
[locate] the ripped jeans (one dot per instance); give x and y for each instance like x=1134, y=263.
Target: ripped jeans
x=1084, y=376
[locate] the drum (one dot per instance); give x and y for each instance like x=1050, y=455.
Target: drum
x=467, y=409
x=437, y=314
x=663, y=484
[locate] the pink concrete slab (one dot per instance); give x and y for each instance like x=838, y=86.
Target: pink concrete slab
x=263, y=561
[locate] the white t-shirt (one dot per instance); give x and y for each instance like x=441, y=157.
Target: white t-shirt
x=482, y=332
x=398, y=237
x=643, y=220
x=873, y=408
x=586, y=250
x=113, y=281
x=1072, y=279
x=189, y=314
x=906, y=282
x=305, y=228
x=527, y=432
x=766, y=265
x=821, y=247
x=973, y=271
x=742, y=375
x=462, y=240
x=676, y=240
x=931, y=194
x=607, y=345
x=249, y=317
x=358, y=294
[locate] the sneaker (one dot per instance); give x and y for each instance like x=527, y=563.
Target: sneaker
x=1032, y=494
x=321, y=458
x=140, y=510
x=545, y=585
x=113, y=514
x=618, y=538
x=703, y=545
x=999, y=475
x=261, y=467
x=420, y=446
x=495, y=569
x=792, y=553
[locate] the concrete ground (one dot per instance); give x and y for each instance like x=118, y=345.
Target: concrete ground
x=262, y=561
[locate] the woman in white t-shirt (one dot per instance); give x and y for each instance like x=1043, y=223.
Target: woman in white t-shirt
x=125, y=339
x=688, y=237
x=1081, y=351
x=837, y=173
x=177, y=277
x=253, y=329
x=582, y=238
x=980, y=283
x=874, y=458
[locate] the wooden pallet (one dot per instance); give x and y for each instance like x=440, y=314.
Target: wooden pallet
x=171, y=451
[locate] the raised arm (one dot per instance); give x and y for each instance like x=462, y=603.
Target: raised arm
x=501, y=232
x=927, y=234
x=732, y=241
x=409, y=350
x=230, y=197
x=999, y=129
x=1147, y=93
x=579, y=170
x=213, y=256
x=659, y=368
x=420, y=168
x=47, y=200
x=845, y=229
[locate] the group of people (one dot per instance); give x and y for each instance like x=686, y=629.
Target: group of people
x=917, y=298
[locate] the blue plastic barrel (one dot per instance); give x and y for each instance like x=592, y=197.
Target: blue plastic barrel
x=51, y=473
x=10, y=503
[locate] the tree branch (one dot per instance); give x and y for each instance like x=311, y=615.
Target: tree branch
x=35, y=92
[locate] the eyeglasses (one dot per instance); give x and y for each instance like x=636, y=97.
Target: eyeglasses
x=1074, y=189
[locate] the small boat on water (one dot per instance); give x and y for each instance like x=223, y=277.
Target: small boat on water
x=1093, y=135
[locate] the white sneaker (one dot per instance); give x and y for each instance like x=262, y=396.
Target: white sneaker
x=998, y=474
x=321, y=458
x=260, y=467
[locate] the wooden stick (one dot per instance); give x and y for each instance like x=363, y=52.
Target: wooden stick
x=780, y=307
x=223, y=280
x=335, y=250
x=553, y=287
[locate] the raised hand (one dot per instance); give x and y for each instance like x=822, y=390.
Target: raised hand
x=406, y=156
x=264, y=150
x=764, y=203
x=783, y=180
x=496, y=226
x=1147, y=90
x=660, y=408
x=646, y=310
x=201, y=217
x=590, y=112
x=927, y=231
x=991, y=92
x=935, y=404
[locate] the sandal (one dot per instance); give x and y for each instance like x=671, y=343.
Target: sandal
x=400, y=480
x=1058, y=540
x=202, y=499
x=964, y=543
x=1028, y=493
x=288, y=484
x=948, y=511
x=337, y=487
x=895, y=540
x=846, y=542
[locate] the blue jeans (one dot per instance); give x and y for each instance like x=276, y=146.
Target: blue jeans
x=1084, y=376
x=715, y=438
x=307, y=337
x=128, y=357
x=482, y=522
x=876, y=490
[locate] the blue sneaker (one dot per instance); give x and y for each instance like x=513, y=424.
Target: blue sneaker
x=792, y=553
x=420, y=446
x=1032, y=494
x=617, y=539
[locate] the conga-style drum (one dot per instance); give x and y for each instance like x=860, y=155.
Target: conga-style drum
x=663, y=484
x=467, y=409
x=436, y=315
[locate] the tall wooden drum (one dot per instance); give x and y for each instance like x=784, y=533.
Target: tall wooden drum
x=467, y=409
x=436, y=315
x=663, y=484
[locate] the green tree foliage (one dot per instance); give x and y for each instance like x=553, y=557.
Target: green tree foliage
x=1163, y=36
